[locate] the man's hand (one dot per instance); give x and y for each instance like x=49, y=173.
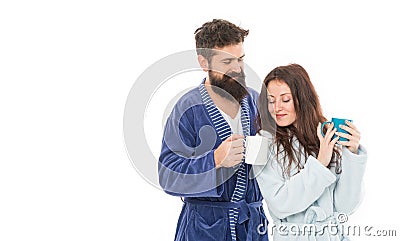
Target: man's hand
x=230, y=152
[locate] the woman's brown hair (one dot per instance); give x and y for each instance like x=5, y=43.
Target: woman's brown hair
x=308, y=114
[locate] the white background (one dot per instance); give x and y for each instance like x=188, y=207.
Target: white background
x=66, y=68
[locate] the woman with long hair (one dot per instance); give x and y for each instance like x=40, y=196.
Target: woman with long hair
x=311, y=181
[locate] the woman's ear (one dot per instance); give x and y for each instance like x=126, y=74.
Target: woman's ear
x=203, y=62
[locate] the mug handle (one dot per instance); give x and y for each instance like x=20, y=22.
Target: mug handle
x=322, y=127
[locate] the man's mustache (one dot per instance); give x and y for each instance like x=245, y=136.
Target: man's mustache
x=235, y=75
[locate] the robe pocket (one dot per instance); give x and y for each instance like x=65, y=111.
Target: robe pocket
x=199, y=229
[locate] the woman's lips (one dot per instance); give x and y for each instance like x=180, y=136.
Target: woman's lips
x=280, y=115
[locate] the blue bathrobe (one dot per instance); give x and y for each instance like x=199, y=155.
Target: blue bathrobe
x=194, y=129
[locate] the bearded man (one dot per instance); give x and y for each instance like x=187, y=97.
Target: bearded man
x=202, y=151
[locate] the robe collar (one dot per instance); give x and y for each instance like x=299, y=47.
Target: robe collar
x=221, y=125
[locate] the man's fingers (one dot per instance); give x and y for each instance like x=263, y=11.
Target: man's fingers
x=237, y=143
x=238, y=150
x=233, y=159
x=234, y=137
x=238, y=157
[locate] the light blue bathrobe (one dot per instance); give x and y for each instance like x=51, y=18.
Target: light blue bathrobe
x=315, y=199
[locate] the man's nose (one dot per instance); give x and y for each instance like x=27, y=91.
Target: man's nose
x=236, y=67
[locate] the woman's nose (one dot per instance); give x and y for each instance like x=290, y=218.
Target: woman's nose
x=278, y=106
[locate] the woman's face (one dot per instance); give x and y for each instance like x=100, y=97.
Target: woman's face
x=280, y=103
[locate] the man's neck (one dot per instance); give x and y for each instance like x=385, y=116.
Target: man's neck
x=230, y=107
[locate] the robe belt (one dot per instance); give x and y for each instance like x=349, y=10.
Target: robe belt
x=317, y=224
x=247, y=211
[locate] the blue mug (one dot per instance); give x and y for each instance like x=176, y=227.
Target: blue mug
x=336, y=122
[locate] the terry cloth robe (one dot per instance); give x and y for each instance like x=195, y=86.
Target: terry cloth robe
x=305, y=204
x=219, y=204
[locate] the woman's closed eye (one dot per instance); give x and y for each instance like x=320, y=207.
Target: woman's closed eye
x=273, y=101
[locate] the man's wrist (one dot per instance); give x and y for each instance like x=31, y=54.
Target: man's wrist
x=216, y=161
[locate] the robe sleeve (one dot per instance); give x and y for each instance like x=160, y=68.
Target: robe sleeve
x=348, y=192
x=185, y=169
x=286, y=197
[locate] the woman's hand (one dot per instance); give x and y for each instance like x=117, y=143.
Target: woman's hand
x=326, y=144
x=354, y=137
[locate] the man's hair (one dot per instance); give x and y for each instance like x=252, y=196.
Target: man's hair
x=217, y=34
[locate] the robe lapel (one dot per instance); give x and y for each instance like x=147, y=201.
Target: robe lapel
x=224, y=131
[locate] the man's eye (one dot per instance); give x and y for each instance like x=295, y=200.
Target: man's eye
x=226, y=62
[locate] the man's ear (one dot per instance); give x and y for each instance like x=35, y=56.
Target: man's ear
x=203, y=62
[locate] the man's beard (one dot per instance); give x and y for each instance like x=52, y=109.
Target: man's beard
x=231, y=86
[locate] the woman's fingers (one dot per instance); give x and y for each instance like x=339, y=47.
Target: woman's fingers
x=344, y=143
x=345, y=135
x=319, y=130
x=326, y=145
x=351, y=128
x=320, y=137
x=330, y=132
x=350, y=139
x=353, y=137
x=351, y=125
x=334, y=141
